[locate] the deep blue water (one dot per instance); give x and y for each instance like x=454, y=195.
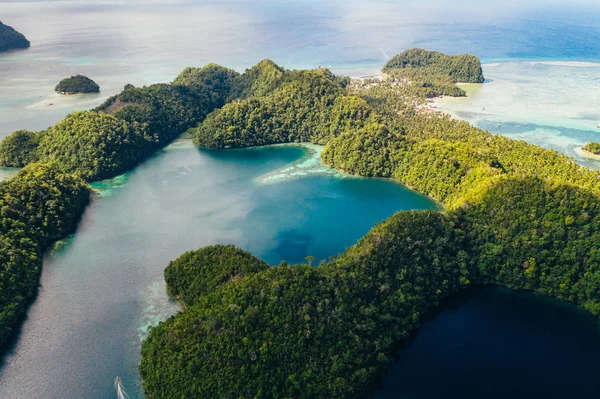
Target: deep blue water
x=495, y=343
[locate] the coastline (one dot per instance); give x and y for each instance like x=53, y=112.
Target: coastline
x=524, y=92
x=7, y=173
x=588, y=154
x=428, y=101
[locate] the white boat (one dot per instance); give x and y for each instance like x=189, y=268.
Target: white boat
x=121, y=394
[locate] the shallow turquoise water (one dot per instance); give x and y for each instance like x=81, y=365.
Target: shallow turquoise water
x=103, y=287
x=6, y=173
x=548, y=103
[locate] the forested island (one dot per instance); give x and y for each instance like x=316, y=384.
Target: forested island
x=434, y=73
x=10, y=39
x=592, y=149
x=77, y=84
x=515, y=214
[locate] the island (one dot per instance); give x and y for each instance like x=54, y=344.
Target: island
x=77, y=84
x=514, y=214
x=464, y=68
x=433, y=72
x=330, y=331
x=10, y=39
x=591, y=150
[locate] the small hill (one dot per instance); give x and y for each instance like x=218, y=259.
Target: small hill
x=258, y=81
x=592, y=147
x=428, y=74
x=463, y=68
x=77, y=84
x=10, y=39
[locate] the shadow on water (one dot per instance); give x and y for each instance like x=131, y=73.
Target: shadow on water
x=450, y=304
x=292, y=244
x=492, y=342
x=9, y=347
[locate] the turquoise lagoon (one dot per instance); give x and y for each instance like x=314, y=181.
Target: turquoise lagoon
x=102, y=288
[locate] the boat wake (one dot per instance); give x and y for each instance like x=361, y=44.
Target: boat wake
x=121, y=394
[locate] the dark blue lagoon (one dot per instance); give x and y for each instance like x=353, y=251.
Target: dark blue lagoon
x=495, y=343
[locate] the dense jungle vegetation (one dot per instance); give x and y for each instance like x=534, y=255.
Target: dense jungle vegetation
x=304, y=331
x=77, y=84
x=19, y=149
x=278, y=106
x=10, y=39
x=434, y=74
x=126, y=129
x=464, y=68
x=329, y=331
x=38, y=206
x=516, y=215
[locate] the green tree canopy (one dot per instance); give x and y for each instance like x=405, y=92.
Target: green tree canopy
x=20, y=148
x=37, y=207
x=77, y=84
x=10, y=39
x=465, y=68
x=94, y=145
x=197, y=273
x=515, y=214
x=592, y=147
